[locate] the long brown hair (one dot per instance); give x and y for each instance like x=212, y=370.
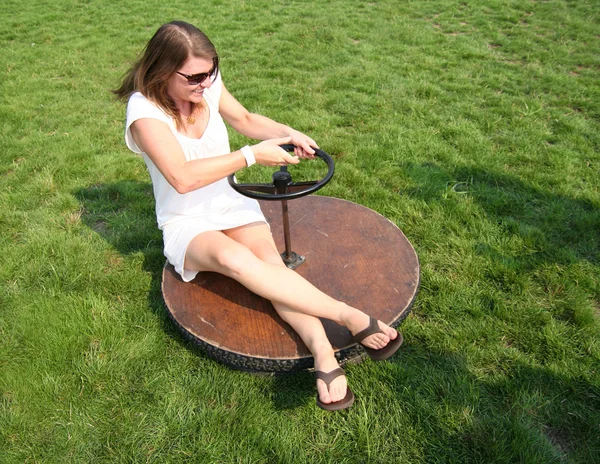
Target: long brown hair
x=166, y=52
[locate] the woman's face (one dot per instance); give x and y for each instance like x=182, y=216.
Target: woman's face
x=178, y=87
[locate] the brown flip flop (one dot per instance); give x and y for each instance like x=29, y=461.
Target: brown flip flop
x=328, y=377
x=383, y=353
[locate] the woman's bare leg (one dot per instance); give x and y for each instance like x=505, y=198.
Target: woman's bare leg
x=310, y=329
x=216, y=251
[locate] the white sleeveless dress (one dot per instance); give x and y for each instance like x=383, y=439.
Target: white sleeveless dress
x=181, y=217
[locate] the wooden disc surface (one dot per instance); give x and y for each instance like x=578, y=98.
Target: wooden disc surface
x=352, y=253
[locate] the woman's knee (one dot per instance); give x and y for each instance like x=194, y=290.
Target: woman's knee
x=234, y=260
x=268, y=253
x=229, y=257
x=257, y=237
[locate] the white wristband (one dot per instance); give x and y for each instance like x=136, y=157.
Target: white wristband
x=249, y=155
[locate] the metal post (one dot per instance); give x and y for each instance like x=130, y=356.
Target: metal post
x=286, y=231
x=281, y=179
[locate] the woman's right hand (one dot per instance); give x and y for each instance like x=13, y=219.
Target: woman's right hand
x=269, y=153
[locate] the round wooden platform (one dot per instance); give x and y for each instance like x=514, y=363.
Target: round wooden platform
x=352, y=253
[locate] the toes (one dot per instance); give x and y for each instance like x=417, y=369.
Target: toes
x=336, y=396
x=379, y=341
x=390, y=332
x=324, y=394
x=384, y=340
x=337, y=390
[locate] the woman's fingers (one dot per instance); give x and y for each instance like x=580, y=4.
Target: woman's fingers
x=281, y=140
x=304, y=142
x=302, y=153
x=305, y=146
x=289, y=159
x=271, y=154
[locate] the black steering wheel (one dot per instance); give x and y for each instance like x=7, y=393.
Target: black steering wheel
x=282, y=187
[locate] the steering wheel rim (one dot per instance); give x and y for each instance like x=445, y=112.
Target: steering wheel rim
x=297, y=189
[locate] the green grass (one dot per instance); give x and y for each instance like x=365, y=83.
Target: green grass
x=474, y=126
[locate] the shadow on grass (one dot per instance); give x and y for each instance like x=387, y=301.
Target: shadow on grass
x=123, y=214
x=559, y=229
x=515, y=413
x=534, y=230
x=537, y=413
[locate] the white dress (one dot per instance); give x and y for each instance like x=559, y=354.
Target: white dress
x=181, y=217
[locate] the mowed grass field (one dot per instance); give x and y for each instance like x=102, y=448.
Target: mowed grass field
x=474, y=126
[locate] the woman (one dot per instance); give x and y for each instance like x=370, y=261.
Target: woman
x=177, y=103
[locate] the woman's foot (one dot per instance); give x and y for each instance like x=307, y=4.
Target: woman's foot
x=329, y=377
x=379, y=340
x=357, y=321
x=337, y=389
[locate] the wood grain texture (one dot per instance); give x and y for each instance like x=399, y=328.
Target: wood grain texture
x=352, y=253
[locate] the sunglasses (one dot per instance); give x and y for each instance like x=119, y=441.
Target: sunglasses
x=197, y=79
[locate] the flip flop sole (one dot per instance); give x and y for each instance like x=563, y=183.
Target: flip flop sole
x=338, y=405
x=387, y=351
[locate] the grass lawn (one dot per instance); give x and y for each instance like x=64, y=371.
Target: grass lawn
x=474, y=126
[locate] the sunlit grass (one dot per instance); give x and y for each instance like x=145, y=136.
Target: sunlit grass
x=474, y=126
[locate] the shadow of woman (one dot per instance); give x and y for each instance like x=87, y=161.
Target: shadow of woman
x=123, y=214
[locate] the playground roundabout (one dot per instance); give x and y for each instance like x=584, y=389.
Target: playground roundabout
x=350, y=252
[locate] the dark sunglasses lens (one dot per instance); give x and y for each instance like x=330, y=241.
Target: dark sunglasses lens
x=197, y=79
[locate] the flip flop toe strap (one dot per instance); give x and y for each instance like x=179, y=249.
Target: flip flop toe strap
x=372, y=329
x=329, y=377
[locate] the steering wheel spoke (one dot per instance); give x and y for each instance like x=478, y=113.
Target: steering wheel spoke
x=300, y=186
x=262, y=188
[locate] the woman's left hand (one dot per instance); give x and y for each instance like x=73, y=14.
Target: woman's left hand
x=303, y=145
